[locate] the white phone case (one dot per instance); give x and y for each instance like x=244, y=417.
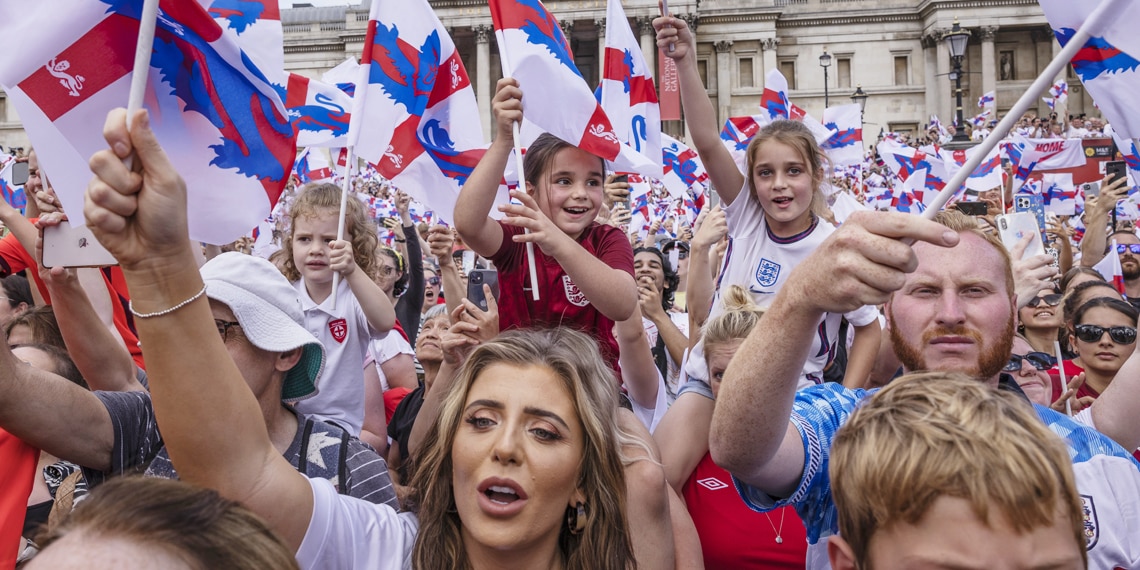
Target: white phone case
x=74, y=246
x=1014, y=227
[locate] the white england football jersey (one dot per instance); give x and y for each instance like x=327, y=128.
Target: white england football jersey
x=760, y=262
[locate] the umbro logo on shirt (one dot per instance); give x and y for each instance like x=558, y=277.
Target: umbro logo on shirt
x=712, y=483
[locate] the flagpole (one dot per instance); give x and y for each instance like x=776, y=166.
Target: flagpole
x=519, y=166
x=143, y=49
x=1029, y=97
x=344, y=186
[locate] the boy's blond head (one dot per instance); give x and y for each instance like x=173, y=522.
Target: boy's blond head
x=935, y=434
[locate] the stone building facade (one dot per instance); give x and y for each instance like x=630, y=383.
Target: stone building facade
x=891, y=48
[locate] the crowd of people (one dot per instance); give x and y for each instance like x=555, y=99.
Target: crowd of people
x=542, y=388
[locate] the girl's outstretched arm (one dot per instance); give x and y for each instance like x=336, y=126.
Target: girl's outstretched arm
x=482, y=234
x=704, y=130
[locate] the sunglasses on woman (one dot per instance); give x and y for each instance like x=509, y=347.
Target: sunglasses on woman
x=1093, y=333
x=433, y=281
x=1039, y=360
x=1052, y=300
x=1123, y=247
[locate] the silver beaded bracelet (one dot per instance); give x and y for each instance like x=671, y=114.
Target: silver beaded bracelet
x=130, y=305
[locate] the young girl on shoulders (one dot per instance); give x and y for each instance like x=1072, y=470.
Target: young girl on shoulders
x=585, y=269
x=773, y=212
x=311, y=256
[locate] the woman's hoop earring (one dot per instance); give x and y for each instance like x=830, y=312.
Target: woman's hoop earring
x=576, y=518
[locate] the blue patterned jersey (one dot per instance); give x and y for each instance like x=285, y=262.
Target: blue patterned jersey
x=1108, y=478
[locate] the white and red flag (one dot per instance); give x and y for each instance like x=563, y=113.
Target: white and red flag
x=320, y=113
x=683, y=166
x=845, y=146
x=418, y=122
x=1110, y=269
x=556, y=99
x=986, y=176
x=312, y=166
x=628, y=95
x=217, y=115
x=1108, y=64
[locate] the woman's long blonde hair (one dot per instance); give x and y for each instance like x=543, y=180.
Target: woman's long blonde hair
x=574, y=358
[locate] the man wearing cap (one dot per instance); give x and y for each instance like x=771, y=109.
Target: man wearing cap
x=259, y=318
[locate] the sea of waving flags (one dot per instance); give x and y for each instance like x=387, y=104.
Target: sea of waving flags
x=234, y=119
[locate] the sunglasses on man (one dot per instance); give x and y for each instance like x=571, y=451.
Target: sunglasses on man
x=1132, y=247
x=1039, y=360
x=1093, y=333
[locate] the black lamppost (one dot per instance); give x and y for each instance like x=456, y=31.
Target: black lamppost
x=825, y=62
x=956, y=39
x=859, y=97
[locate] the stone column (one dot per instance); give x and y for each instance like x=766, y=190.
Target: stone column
x=769, y=45
x=930, y=77
x=648, y=43
x=723, y=79
x=601, y=24
x=483, y=75
x=944, y=86
x=989, y=59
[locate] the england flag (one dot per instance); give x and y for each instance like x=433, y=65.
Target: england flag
x=319, y=112
x=845, y=147
x=628, y=95
x=556, y=98
x=213, y=109
x=1108, y=64
x=414, y=113
x=988, y=174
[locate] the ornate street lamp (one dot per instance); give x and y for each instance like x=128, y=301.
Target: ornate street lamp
x=956, y=40
x=825, y=62
x=859, y=97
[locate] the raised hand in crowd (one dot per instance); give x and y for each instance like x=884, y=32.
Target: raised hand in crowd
x=615, y=191
x=1097, y=210
x=711, y=231
x=1031, y=275
x=440, y=243
x=470, y=327
x=93, y=345
x=1068, y=401
x=619, y=215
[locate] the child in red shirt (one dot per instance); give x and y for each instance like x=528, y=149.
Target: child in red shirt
x=585, y=270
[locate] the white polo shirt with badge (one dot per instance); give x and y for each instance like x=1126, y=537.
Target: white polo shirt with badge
x=345, y=334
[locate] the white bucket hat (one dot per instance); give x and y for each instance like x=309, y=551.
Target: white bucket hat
x=269, y=311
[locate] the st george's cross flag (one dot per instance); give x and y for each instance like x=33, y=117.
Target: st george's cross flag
x=683, y=164
x=414, y=112
x=219, y=118
x=845, y=146
x=556, y=98
x=312, y=166
x=988, y=100
x=319, y=112
x=986, y=176
x=1109, y=62
x=628, y=95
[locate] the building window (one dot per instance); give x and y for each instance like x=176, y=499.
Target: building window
x=788, y=69
x=910, y=129
x=843, y=71
x=902, y=70
x=703, y=71
x=746, y=75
